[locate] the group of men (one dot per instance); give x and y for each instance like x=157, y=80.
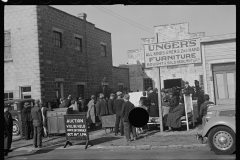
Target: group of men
x=77, y=104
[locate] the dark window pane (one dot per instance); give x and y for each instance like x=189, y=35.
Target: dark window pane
x=26, y=89
x=11, y=95
x=26, y=96
x=5, y=95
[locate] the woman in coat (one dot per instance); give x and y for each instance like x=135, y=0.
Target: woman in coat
x=173, y=119
x=174, y=101
x=8, y=125
x=91, y=113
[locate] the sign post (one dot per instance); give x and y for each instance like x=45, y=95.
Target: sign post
x=160, y=100
x=76, y=129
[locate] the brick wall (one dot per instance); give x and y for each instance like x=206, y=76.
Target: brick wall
x=72, y=66
x=120, y=75
x=23, y=68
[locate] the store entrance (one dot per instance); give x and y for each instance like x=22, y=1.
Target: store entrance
x=170, y=83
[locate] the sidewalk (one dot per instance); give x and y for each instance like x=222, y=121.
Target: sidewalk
x=152, y=139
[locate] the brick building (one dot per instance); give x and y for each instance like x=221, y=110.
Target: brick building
x=49, y=53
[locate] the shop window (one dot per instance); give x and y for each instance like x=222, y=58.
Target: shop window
x=57, y=38
x=147, y=83
x=120, y=88
x=26, y=92
x=103, y=50
x=8, y=96
x=78, y=44
x=7, y=45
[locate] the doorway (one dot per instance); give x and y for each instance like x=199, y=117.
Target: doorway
x=170, y=83
x=80, y=90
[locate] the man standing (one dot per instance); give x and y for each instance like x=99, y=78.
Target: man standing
x=8, y=125
x=101, y=107
x=126, y=108
x=110, y=106
x=153, y=109
x=117, y=106
x=26, y=120
x=204, y=106
x=37, y=124
x=68, y=101
x=82, y=104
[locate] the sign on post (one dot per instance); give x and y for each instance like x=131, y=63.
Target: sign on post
x=172, y=53
x=76, y=128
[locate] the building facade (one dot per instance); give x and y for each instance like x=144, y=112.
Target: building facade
x=51, y=54
x=216, y=63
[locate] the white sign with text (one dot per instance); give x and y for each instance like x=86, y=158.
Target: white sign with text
x=172, y=53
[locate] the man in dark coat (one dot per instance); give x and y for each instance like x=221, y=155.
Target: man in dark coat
x=204, y=106
x=110, y=107
x=188, y=89
x=117, y=105
x=68, y=101
x=101, y=107
x=26, y=120
x=8, y=125
x=37, y=124
x=126, y=108
x=174, y=101
x=153, y=109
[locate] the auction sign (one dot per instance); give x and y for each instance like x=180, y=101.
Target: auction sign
x=172, y=53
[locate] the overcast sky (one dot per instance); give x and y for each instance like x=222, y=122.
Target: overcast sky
x=128, y=24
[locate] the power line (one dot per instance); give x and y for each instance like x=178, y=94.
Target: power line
x=125, y=20
x=134, y=22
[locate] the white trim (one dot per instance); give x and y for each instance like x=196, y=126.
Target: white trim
x=102, y=43
x=204, y=70
x=59, y=80
x=210, y=63
x=103, y=83
x=81, y=83
x=57, y=29
x=120, y=84
x=77, y=36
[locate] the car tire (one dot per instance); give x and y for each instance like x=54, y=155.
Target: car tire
x=222, y=140
x=16, y=128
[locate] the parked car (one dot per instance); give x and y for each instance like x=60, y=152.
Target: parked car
x=219, y=129
x=15, y=108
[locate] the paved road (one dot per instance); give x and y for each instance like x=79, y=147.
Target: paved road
x=194, y=153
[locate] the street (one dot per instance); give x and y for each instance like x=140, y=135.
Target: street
x=194, y=153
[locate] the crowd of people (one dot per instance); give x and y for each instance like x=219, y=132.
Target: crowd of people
x=34, y=123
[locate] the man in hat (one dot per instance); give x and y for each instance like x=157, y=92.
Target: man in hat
x=187, y=89
x=204, y=106
x=101, y=106
x=26, y=120
x=8, y=124
x=153, y=109
x=68, y=101
x=37, y=124
x=126, y=108
x=110, y=106
x=63, y=103
x=117, y=105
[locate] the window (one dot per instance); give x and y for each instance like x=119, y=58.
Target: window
x=8, y=96
x=147, y=83
x=7, y=45
x=78, y=44
x=103, y=50
x=26, y=92
x=57, y=38
x=120, y=88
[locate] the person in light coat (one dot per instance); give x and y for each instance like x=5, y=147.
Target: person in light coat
x=91, y=113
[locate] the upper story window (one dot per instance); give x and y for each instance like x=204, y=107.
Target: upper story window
x=7, y=45
x=8, y=96
x=147, y=83
x=103, y=50
x=78, y=44
x=57, y=38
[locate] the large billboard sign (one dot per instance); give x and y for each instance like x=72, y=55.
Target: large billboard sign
x=172, y=53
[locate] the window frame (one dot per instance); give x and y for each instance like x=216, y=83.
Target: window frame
x=149, y=83
x=103, y=53
x=23, y=94
x=8, y=97
x=56, y=40
x=80, y=44
x=7, y=45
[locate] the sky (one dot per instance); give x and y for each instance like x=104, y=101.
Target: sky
x=128, y=24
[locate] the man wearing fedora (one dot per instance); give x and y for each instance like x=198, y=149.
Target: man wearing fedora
x=26, y=120
x=117, y=105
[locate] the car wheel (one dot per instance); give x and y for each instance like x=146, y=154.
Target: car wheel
x=16, y=128
x=222, y=140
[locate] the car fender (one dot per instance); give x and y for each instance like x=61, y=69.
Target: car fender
x=217, y=121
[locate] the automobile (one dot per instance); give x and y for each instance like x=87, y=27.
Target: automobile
x=219, y=129
x=15, y=108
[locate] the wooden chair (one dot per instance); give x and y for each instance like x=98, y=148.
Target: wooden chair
x=189, y=116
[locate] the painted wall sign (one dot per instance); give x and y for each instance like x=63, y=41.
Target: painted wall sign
x=172, y=53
